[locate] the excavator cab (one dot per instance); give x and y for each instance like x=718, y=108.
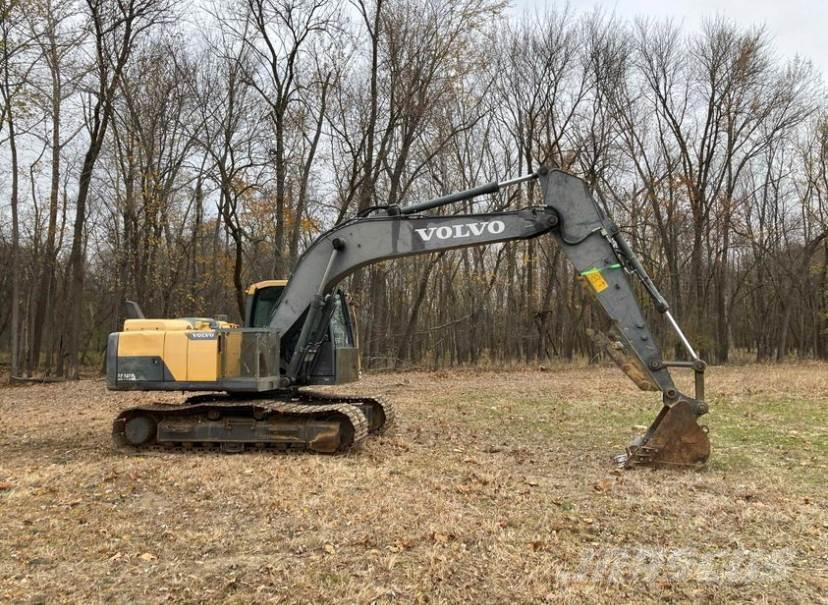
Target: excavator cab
x=336, y=358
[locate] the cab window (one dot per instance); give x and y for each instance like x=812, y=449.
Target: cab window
x=264, y=302
x=340, y=325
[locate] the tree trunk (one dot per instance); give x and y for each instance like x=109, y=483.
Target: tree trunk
x=77, y=262
x=279, y=266
x=15, y=252
x=47, y=274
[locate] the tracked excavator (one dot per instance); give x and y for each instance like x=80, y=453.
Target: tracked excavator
x=301, y=332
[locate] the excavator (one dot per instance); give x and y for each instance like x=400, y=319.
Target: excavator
x=253, y=380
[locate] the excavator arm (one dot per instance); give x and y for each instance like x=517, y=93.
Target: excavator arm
x=589, y=239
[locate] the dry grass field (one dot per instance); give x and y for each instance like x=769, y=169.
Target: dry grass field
x=494, y=488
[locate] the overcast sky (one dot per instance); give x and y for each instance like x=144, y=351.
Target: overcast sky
x=797, y=26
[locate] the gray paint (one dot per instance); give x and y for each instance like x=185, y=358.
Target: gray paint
x=240, y=385
x=141, y=368
x=347, y=364
x=581, y=215
x=112, y=361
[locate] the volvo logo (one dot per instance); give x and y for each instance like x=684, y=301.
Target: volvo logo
x=462, y=230
x=205, y=335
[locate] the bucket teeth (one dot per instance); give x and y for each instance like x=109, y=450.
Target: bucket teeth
x=674, y=439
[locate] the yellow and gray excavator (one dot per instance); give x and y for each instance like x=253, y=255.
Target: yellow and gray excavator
x=301, y=332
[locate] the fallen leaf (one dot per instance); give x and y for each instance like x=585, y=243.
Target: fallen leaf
x=604, y=485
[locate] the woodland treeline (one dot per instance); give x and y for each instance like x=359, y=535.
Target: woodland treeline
x=172, y=152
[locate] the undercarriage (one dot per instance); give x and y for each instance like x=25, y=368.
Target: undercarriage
x=297, y=420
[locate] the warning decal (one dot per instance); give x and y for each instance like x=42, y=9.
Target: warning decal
x=596, y=280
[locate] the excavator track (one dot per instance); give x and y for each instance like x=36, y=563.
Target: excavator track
x=312, y=421
x=379, y=411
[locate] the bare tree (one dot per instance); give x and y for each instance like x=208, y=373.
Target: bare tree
x=14, y=70
x=281, y=34
x=58, y=39
x=228, y=132
x=115, y=28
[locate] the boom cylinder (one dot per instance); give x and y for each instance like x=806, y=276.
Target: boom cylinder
x=468, y=194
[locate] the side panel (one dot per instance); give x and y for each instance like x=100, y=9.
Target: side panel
x=141, y=344
x=347, y=364
x=232, y=354
x=335, y=365
x=194, y=360
x=203, y=356
x=140, y=356
x=176, y=356
x=139, y=368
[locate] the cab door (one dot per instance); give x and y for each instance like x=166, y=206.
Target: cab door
x=338, y=358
